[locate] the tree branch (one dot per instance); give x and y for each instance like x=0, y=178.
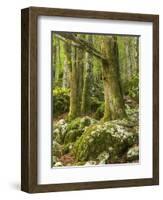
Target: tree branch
x=82, y=44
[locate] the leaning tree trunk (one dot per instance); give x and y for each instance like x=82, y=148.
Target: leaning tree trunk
x=114, y=104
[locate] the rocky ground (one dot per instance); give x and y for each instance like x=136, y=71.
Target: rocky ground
x=86, y=141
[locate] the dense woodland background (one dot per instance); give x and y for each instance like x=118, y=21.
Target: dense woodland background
x=95, y=99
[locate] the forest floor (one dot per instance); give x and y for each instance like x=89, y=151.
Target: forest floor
x=88, y=141
x=56, y=119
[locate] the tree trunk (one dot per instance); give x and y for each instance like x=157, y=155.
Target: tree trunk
x=80, y=72
x=88, y=78
x=54, y=56
x=70, y=53
x=114, y=104
x=58, y=61
x=73, y=112
x=136, y=54
x=65, y=82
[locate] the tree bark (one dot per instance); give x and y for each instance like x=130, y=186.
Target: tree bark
x=88, y=78
x=80, y=72
x=73, y=112
x=65, y=82
x=54, y=56
x=58, y=60
x=114, y=104
x=70, y=53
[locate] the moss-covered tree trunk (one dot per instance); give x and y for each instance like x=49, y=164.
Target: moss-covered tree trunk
x=135, y=55
x=128, y=58
x=65, y=81
x=58, y=71
x=131, y=55
x=114, y=104
x=80, y=73
x=88, y=78
x=70, y=53
x=73, y=111
x=54, y=56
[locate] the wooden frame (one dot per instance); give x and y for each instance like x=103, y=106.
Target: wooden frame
x=29, y=99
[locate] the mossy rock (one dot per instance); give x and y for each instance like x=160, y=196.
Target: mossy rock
x=79, y=163
x=103, y=157
x=56, y=149
x=114, y=138
x=76, y=127
x=72, y=135
x=133, y=154
x=67, y=148
x=59, y=132
x=67, y=132
x=132, y=113
x=74, y=124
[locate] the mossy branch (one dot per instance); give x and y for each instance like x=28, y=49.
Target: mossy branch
x=82, y=44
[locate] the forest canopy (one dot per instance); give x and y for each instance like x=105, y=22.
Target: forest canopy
x=95, y=88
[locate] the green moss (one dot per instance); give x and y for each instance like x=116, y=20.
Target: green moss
x=74, y=124
x=76, y=127
x=61, y=101
x=68, y=132
x=102, y=142
x=72, y=135
x=71, y=115
x=67, y=148
x=56, y=149
x=59, y=132
x=79, y=163
x=113, y=137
